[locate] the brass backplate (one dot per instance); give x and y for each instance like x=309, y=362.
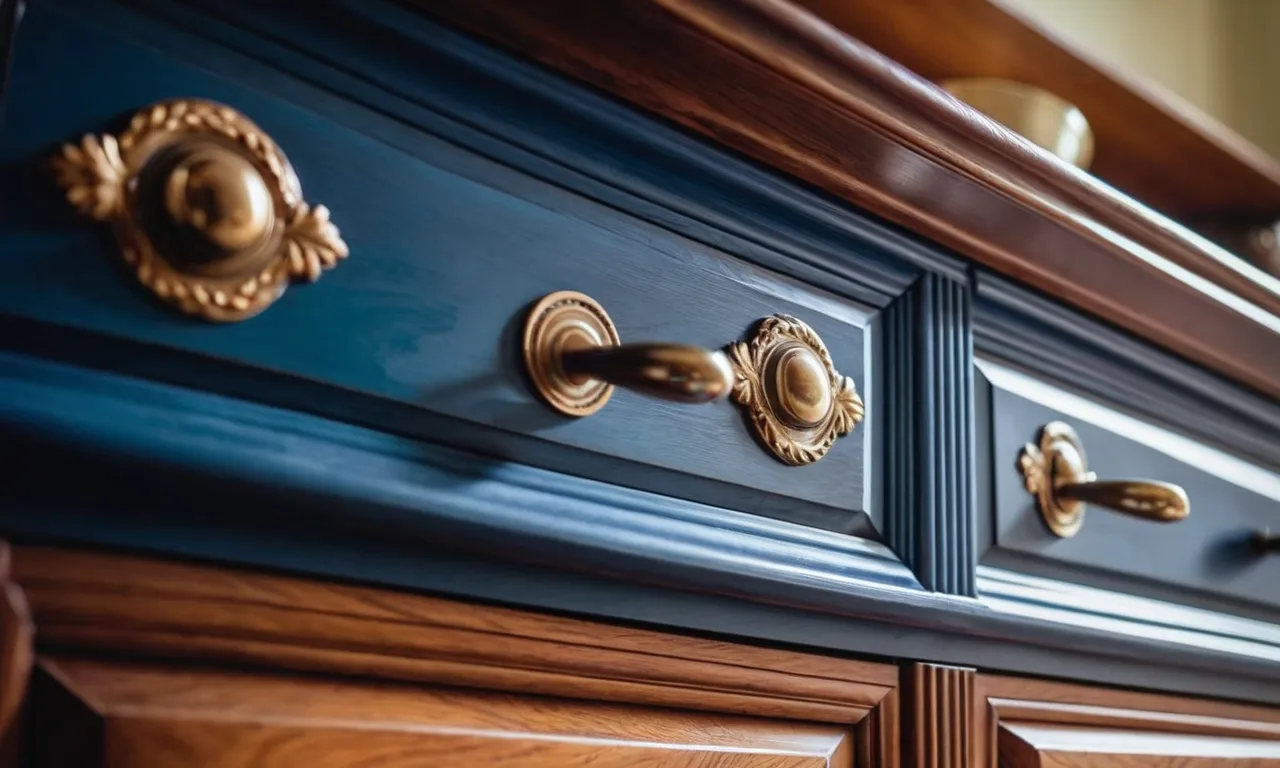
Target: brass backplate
x=561, y=322
x=204, y=206
x=1058, y=459
x=795, y=399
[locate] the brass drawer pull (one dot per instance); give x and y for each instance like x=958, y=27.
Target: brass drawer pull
x=1056, y=474
x=795, y=400
x=205, y=207
x=574, y=359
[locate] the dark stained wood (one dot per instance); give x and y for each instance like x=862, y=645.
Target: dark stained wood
x=938, y=716
x=16, y=658
x=1149, y=143
x=780, y=85
x=1043, y=723
x=150, y=608
x=163, y=716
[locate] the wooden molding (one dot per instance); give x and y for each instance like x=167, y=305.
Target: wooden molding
x=793, y=92
x=939, y=709
x=112, y=713
x=1036, y=722
x=86, y=601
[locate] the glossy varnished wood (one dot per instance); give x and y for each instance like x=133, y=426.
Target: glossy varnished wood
x=1043, y=723
x=1149, y=144
x=797, y=94
x=939, y=703
x=154, y=608
x=157, y=716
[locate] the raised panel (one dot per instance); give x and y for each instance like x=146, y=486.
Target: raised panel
x=1210, y=551
x=162, y=717
x=448, y=250
x=1043, y=724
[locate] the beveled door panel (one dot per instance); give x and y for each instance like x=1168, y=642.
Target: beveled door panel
x=1039, y=724
x=127, y=715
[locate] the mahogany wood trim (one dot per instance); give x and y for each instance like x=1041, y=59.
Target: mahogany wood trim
x=938, y=708
x=777, y=84
x=1017, y=713
x=1150, y=143
x=135, y=606
x=16, y=657
x=161, y=716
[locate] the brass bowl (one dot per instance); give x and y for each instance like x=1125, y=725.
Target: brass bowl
x=1052, y=123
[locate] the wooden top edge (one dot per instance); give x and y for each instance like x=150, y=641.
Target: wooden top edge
x=794, y=92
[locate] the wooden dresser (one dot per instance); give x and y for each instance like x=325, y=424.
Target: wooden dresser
x=455, y=383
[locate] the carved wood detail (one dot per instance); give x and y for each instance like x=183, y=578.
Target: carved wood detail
x=16, y=657
x=938, y=708
x=157, y=609
x=1042, y=723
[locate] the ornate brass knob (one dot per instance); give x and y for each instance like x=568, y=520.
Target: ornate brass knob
x=205, y=208
x=1056, y=473
x=795, y=398
x=574, y=359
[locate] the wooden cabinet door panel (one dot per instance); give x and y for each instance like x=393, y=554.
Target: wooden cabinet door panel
x=125, y=716
x=1042, y=724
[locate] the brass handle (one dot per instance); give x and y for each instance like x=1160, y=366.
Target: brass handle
x=668, y=371
x=1056, y=474
x=204, y=206
x=574, y=359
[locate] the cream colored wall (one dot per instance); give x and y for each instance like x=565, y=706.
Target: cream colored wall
x=1215, y=54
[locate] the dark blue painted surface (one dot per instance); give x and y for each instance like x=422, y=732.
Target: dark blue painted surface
x=448, y=250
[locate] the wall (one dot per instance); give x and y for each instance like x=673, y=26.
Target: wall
x=1216, y=55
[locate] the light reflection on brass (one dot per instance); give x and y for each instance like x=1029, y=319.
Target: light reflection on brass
x=574, y=359
x=795, y=399
x=204, y=206
x=1056, y=474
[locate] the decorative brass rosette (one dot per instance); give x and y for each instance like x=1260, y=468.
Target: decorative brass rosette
x=205, y=207
x=794, y=397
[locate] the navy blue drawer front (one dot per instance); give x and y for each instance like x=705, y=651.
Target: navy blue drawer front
x=468, y=185
x=1210, y=552
x=448, y=251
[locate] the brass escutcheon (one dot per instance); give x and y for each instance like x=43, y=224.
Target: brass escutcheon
x=204, y=206
x=795, y=399
x=574, y=359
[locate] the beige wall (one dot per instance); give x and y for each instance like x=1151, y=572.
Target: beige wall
x=1218, y=55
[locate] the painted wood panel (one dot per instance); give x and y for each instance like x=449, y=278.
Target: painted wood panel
x=1209, y=551
x=448, y=250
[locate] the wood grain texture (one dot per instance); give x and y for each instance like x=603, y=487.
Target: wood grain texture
x=938, y=710
x=927, y=383
x=16, y=657
x=163, y=716
x=458, y=245
x=1030, y=722
x=1150, y=144
x=795, y=93
x=154, y=608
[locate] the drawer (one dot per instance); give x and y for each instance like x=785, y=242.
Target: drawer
x=1214, y=553
x=89, y=713
x=420, y=328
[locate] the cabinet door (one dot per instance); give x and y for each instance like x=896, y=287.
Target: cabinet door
x=113, y=714
x=1037, y=724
